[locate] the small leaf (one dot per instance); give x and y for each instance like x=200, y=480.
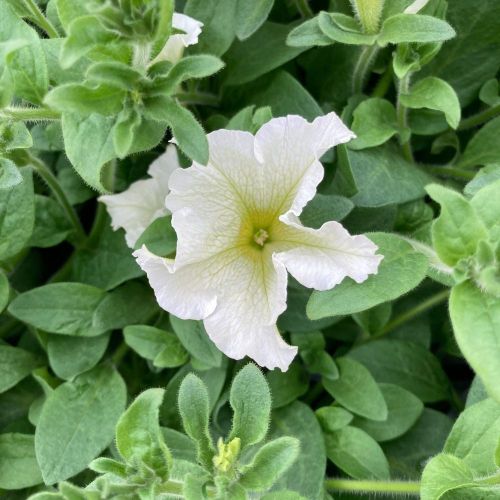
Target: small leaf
x=250, y=16
x=15, y=364
x=308, y=34
x=333, y=418
x=10, y=176
x=344, y=29
x=484, y=147
x=250, y=400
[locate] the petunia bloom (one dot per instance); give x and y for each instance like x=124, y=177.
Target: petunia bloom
x=144, y=201
x=238, y=230
x=174, y=48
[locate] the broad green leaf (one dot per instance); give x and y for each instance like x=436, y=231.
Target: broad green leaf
x=51, y=224
x=374, y=123
x=15, y=364
x=4, y=291
x=434, y=93
x=10, y=176
x=444, y=473
x=475, y=436
x=114, y=73
x=357, y=391
x=159, y=346
x=17, y=216
x=194, y=410
x=483, y=148
x=69, y=10
x=406, y=364
x=356, y=453
x=18, y=466
x=477, y=392
x=77, y=422
x=344, y=29
x=458, y=230
x=159, y=237
x=70, y=356
x=323, y=208
x=490, y=92
x=401, y=270
x=333, y=418
x=308, y=34
x=307, y=474
x=415, y=28
x=269, y=463
x=486, y=203
x=195, y=340
x=475, y=317
x=250, y=400
x=181, y=446
x=264, y=51
x=64, y=308
x=250, y=16
x=287, y=386
x=404, y=409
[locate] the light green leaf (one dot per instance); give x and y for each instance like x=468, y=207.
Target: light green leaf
x=15, y=364
x=308, y=34
x=475, y=317
x=4, y=291
x=344, y=29
x=18, y=466
x=374, y=123
x=77, y=422
x=357, y=391
x=114, y=73
x=356, y=453
x=51, y=223
x=159, y=237
x=10, y=176
x=406, y=364
x=404, y=409
x=414, y=28
x=333, y=418
x=323, y=208
x=484, y=147
x=434, y=93
x=401, y=270
x=250, y=400
x=250, y=16
x=486, y=203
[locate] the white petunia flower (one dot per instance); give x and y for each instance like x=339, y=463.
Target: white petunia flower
x=144, y=201
x=239, y=233
x=416, y=6
x=174, y=48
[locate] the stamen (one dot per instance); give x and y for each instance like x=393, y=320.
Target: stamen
x=260, y=237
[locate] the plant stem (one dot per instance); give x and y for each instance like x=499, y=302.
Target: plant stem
x=28, y=114
x=399, y=320
x=479, y=118
x=451, y=172
x=45, y=173
x=304, y=8
x=40, y=20
x=387, y=487
x=119, y=354
x=402, y=115
x=383, y=84
x=362, y=67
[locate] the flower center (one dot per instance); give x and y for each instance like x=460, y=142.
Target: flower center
x=260, y=237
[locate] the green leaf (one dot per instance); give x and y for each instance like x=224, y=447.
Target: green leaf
x=250, y=16
x=4, y=291
x=404, y=409
x=159, y=346
x=401, y=270
x=64, y=308
x=475, y=435
x=483, y=148
x=250, y=400
x=194, y=410
x=287, y=386
x=51, y=224
x=264, y=51
x=444, y=473
x=333, y=418
x=114, y=73
x=357, y=391
x=70, y=356
x=10, y=176
x=374, y=123
x=77, y=422
x=15, y=364
x=475, y=317
x=407, y=364
x=486, y=203
x=17, y=216
x=308, y=34
x=414, y=28
x=124, y=131
x=76, y=98
x=269, y=463
x=356, y=453
x=18, y=466
x=344, y=29
x=434, y=93
x=323, y=208
x=196, y=341
x=89, y=145
x=458, y=230
x=159, y=237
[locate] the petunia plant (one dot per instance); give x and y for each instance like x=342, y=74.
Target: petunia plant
x=249, y=250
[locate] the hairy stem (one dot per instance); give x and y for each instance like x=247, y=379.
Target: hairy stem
x=459, y=173
x=40, y=20
x=384, y=487
x=402, y=114
x=304, y=8
x=45, y=173
x=29, y=114
x=362, y=68
x=479, y=118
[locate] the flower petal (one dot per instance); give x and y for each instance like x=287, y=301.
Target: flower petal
x=322, y=258
x=289, y=149
x=144, y=201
